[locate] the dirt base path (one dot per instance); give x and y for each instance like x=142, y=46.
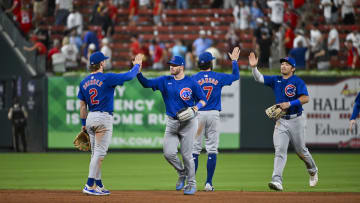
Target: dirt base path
x=54, y=196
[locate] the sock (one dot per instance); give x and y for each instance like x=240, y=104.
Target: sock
x=211, y=164
x=99, y=183
x=196, y=160
x=90, y=182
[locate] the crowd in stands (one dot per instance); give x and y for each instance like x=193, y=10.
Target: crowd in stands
x=312, y=32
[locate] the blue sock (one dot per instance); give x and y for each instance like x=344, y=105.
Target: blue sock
x=196, y=160
x=90, y=182
x=211, y=164
x=99, y=183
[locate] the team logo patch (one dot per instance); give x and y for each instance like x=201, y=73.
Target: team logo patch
x=185, y=93
x=290, y=90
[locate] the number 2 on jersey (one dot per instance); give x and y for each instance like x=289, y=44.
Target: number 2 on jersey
x=209, y=90
x=93, y=92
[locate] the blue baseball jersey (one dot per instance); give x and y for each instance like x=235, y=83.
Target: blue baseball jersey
x=176, y=94
x=97, y=90
x=212, y=84
x=287, y=90
x=356, y=107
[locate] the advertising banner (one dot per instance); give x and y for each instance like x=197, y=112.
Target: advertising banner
x=139, y=116
x=328, y=113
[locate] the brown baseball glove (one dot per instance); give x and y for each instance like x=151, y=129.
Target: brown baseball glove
x=82, y=141
x=275, y=112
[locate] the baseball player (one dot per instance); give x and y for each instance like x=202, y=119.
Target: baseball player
x=179, y=91
x=290, y=93
x=97, y=94
x=209, y=116
x=355, y=111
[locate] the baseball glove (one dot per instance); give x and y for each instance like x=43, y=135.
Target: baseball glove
x=275, y=112
x=185, y=114
x=82, y=141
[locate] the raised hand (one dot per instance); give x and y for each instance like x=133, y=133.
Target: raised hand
x=235, y=54
x=138, y=60
x=253, y=60
x=352, y=123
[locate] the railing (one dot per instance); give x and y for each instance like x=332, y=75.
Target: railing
x=34, y=64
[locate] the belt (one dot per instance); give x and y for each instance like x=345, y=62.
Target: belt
x=288, y=117
x=110, y=113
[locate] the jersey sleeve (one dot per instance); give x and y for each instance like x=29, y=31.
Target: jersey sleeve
x=228, y=79
x=269, y=80
x=301, y=88
x=114, y=79
x=81, y=94
x=155, y=83
x=356, y=109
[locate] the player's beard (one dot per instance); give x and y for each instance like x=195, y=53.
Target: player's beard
x=175, y=70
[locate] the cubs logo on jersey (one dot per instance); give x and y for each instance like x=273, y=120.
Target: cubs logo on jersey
x=290, y=90
x=185, y=93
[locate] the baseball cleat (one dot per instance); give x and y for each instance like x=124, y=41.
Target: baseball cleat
x=189, y=190
x=91, y=190
x=275, y=186
x=313, y=180
x=209, y=187
x=180, y=183
x=103, y=190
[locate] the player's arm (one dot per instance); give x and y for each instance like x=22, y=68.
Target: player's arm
x=119, y=78
x=253, y=61
x=355, y=112
x=234, y=56
x=83, y=114
x=200, y=96
x=154, y=83
x=303, y=99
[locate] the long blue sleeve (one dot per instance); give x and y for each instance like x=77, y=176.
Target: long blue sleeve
x=155, y=83
x=235, y=70
x=228, y=79
x=130, y=74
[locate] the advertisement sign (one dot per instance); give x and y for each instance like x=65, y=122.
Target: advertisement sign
x=328, y=113
x=139, y=116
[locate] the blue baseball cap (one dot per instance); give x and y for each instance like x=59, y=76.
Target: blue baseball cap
x=290, y=60
x=97, y=57
x=205, y=57
x=177, y=60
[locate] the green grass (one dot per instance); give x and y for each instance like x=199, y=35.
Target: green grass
x=150, y=171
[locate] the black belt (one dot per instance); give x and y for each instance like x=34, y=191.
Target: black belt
x=288, y=117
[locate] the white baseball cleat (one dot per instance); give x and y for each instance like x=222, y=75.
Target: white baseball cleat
x=209, y=188
x=91, y=190
x=314, y=180
x=275, y=186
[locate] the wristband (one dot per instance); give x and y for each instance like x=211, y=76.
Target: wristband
x=295, y=103
x=199, y=105
x=83, y=121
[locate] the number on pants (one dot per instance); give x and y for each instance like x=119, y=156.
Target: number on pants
x=209, y=90
x=93, y=92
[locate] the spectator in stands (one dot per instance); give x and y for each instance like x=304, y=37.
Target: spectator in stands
x=299, y=55
x=189, y=57
x=62, y=10
x=333, y=42
x=255, y=12
x=113, y=12
x=182, y=4
x=277, y=48
x=89, y=37
x=348, y=12
x=215, y=53
x=101, y=17
x=133, y=12
x=335, y=4
x=144, y=4
x=75, y=20
x=315, y=37
x=201, y=43
x=232, y=39
x=322, y=56
x=135, y=47
x=75, y=39
x=38, y=46
x=300, y=36
x=229, y=4
x=290, y=16
x=326, y=6
x=43, y=35
x=157, y=12
x=289, y=38
x=39, y=9
x=264, y=46
x=54, y=50
x=119, y=3
x=106, y=50
x=277, y=13
x=242, y=16
x=178, y=49
x=15, y=9
x=70, y=52
x=354, y=36
x=352, y=55
x=156, y=53
x=24, y=19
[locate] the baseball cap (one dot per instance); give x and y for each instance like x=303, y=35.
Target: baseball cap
x=97, y=57
x=177, y=60
x=205, y=57
x=290, y=60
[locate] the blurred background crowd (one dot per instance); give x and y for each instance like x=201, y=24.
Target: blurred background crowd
x=319, y=34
